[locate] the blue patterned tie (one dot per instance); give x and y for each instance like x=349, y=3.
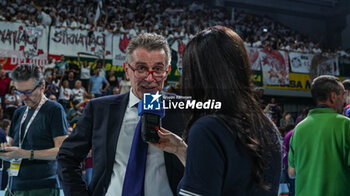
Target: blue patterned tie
x=135, y=170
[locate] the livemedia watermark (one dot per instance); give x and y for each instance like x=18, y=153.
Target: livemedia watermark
x=156, y=101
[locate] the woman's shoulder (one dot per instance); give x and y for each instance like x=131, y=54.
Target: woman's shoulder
x=209, y=126
x=208, y=120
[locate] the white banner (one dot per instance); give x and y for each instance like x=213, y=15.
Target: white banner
x=275, y=67
x=120, y=42
x=329, y=67
x=300, y=62
x=21, y=44
x=69, y=42
x=254, y=57
x=12, y=58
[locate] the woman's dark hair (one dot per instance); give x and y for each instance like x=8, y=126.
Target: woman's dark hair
x=11, y=88
x=4, y=123
x=216, y=66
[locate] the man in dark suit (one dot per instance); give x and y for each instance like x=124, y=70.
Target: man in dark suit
x=108, y=124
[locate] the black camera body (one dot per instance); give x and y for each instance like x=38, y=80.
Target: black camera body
x=150, y=125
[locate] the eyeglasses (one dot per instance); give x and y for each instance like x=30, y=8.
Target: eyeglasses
x=27, y=92
x=158, y=73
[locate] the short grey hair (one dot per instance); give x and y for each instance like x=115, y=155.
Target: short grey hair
x=25, y=72
x=323, y=86
x=150, y=42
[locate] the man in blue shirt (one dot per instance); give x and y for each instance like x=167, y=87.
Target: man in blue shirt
x=61, y=66
x=96, y=83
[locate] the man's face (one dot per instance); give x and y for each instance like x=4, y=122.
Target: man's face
x=97, y=71
x=273, y=100
x=71, y=75
x=150, y=59
x=32, y=99
x=340, y=100
x=2, y=73
x=347, y=98
x=77, y=84
x=49, y=79
x=65, y=84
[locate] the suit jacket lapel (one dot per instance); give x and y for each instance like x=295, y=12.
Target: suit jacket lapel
x=116, y=115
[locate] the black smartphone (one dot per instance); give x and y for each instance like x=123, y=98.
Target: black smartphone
x=149, y=127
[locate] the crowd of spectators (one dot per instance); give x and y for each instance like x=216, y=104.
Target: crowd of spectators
x=261, y=32
x=74, y=85
x=66, y=85
x=169, y=18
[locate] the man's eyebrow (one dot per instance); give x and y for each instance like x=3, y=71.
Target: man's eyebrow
x=160, y=63
x=140, y=63
x=143, y=63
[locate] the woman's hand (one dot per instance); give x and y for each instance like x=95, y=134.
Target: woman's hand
x=171, y=143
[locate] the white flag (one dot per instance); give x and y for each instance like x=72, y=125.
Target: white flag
x=98, y=11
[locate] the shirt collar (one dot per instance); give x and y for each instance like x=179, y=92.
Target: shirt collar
x=322, y=110
x=132, y=99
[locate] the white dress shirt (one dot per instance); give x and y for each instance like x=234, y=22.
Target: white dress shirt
x=156, y=180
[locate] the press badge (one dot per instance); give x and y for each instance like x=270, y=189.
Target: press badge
x=14, y=167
